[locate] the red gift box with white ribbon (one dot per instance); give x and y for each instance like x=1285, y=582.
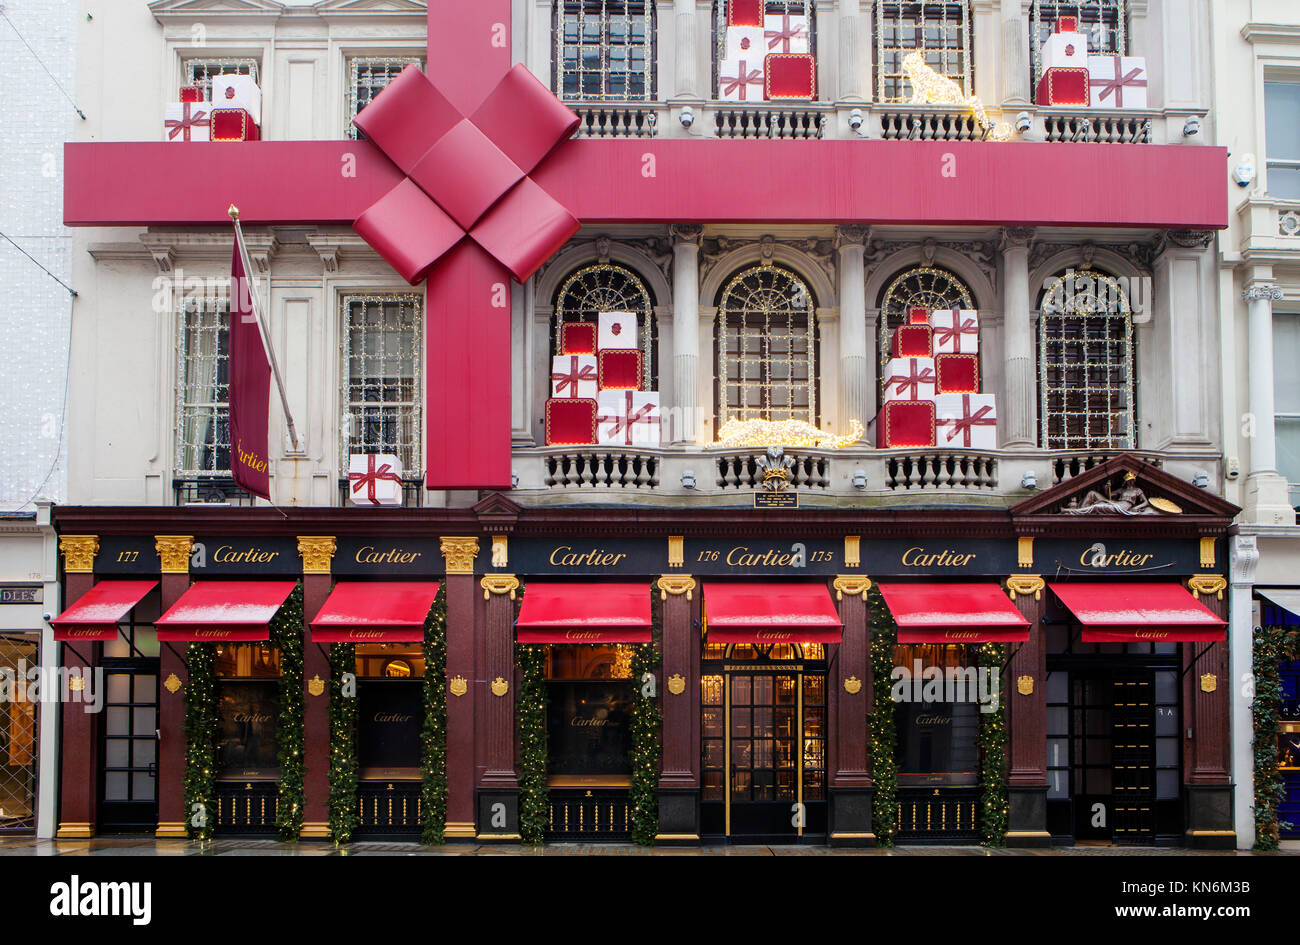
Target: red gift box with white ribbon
x=573, y=375
x=966, y=421
x=912, y=341
x=617, y=369
x=903, y=423
x=909, y=379
x=578, y=338
x=956, y=373
x=628, y=418
x=570, y=421
x=956, y=331
x=789, y=76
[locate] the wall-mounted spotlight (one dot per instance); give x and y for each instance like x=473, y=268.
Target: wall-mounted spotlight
x=687, y=117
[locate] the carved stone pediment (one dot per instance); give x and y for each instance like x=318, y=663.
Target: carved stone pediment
x=1125, y=487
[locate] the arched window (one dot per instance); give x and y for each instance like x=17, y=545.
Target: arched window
x=1104, y=21
x=939, y=29
x=1085, y=363
x=920, y=287
x=604, y=50
x=770, y=8
x=765, y=341
x=609, y=287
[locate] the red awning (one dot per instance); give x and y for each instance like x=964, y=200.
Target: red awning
x=954, y=613
x=584, y=612
x=382, y=612
x=97, y=613
x=770, y=613
x=227, y=611
x=1133, y=612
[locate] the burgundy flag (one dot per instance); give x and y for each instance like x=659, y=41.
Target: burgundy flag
x=250, y=386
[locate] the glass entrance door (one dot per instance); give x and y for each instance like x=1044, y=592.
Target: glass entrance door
x=129, y=783
x=1113, y=756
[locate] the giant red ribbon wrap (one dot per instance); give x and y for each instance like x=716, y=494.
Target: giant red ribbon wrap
x=912, y=381
x=576, y=374
x=371, y=477
x=196, y=119
x=623, y=423
x=1119, y=80
x=967, y=421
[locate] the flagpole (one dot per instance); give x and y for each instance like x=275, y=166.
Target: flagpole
x=262, y=329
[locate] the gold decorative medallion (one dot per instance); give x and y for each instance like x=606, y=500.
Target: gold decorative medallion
x=1025, y=551
x=676, y=551
x=79, y=553
x=500, y=687
x=853, y=685
x=500, y=551
x=174, y=552
x=851, y=584
x=458, y=686
x=1165, y=505
x=852, y=551
x=676, y=584
x=1023, y=585
x=1206, y=584
x=459, y=553
x=316, y=686
x=499, y=584
x=677, y=684
x=1209, y=682
x=1025, y=685
x=77, y=683
x=172, y=683
x=316, y=552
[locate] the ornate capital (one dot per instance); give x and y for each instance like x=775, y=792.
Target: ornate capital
x=459, y=554
x=686, y=233
x=676, y=551
x=79, y=553
x=174, y=552
x=316, y=551
x=1191, y=239
x=1022, y=585
x=1261, y=291
x=1245, y=558
x=852, y=551
x=1014, y=237
x=1202, y=585
x=676, y=584
x=851, y=236
x=498, y=584
x=857, y=584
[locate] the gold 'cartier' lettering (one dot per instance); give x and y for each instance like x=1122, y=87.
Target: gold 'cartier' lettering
x=742, y=557
x=368, y=555
x=918, y=558
x=253, y=555
x=1096, y=557
x=565, y=556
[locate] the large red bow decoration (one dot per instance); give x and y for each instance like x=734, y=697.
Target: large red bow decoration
x=466, y=176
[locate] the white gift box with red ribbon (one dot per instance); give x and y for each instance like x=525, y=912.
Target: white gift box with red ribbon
x=1117, y=81
x=187, y=121
x=627, y=418
x=746, y=42
x=741, y=79
x=374, y=479
x=909, y=379
x=785, y=32
x=238, y=91
x=573, y=375
x=966, y=421
x=616, y=330
x=1065, y=50
x=956, y=330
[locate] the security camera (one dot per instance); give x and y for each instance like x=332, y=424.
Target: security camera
x=1024, y=122
x=855, y=119
x=1029, y=480
x=859, y=478
x=687, y=117
x=1191, y=126
x=688, y=479
x=46, y=617
x=1201, y=479
x=1244, y=172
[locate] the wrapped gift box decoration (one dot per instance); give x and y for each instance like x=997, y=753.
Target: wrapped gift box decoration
x=374, y=479
x=956, y=331
x=966, y=421
x=186, y=121
x=741, y=80
x=909, y=379
x=578, y=338
x=912, y=341
x=789, y=75
x=191, y=93
x=956, y=373
x=570, y=421
x=618, y=369
x=1117, y=81
x=573, y=375
x=1065, y=51
x=745, y=12
x=918, y=316
x=786, y=33
x=745, y=42
x=902, y=423
x=617, y=330
x=1063, y=87
x=233, y=124
x=238, y=91
x=628, y=418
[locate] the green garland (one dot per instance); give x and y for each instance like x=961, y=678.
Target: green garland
x=646, y=733
x=286, y=636
x=200, y=742
x=1270, y=644
x=996, y=808
x=882, y=728
x=343, y=744
x=530, y=724
x=433, y=735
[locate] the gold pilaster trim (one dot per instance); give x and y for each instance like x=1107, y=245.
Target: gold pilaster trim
x=1211, y=833
x=857, y=584
x=459, y=554
x=499, y=584
x=677, y=837
x=1025, y=551
x=1026, y=833
x=1022, y=585
x=171, y=830
x=852, y=551
x=174, y=552
x=316, y=551
x=318, y=830
x=853, y=836
x=1203, y=585
x=676, y=551
x=500, y=551
x=1207, y=552
x=454, y=830
x=72, y=830
x=79, y=553
x=676, y=584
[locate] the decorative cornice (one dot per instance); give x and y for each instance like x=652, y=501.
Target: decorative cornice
x=459, y=554
x=852, y=584
x=316, y=551
x=1022, y=585
x=1182, y=239
x=498, y=584
x=818, y=249
x=676, y=584
x=1206, y=584
x=174, y=552
x=1261, y=291
x=79, y=553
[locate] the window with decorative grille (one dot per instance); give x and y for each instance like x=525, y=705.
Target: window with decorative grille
x=367, y=77
x=919, y=287
x=604, y=50
x=771, y=8
x=201, y=72
x=1104, y=21
x=940, y=31
x=381, y=378
x=202, y=388
x=19, y=737
x=609, y=287
x=1085, y=363
x=765, y=340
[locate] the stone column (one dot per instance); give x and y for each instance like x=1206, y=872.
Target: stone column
x=174, y=557
x=1244, y=550
x=1014, y=61
x=855, y=371
x=679, y=696
x=461, y=596
x=498, y=783
x=78, y=746
x=854, y=71
x=317, y=552
x=686, y=82
x=850, y=777
x=686, y=331
x=1207, y=688
x=1267, y=498
x=1020, y=401
x=1026, y=695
